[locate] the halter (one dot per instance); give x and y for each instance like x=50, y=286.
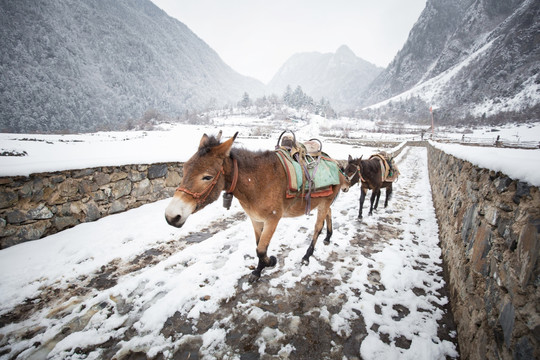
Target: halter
x=200, y=197
x=358, y=167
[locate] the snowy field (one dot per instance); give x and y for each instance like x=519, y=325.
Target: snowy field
x=177, y=143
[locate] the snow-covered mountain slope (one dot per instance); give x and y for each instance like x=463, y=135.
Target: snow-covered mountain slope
x=338, y=77
x=468, y=59
x=93, y=64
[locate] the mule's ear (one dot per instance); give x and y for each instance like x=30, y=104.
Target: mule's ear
x=350, y=158
x=204, y=141
x=360, y=157
x=225, y=148
x=219, y=135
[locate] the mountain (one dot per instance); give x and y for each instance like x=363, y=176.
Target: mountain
x=84, y=65
x=469, y=59
x=339, y=76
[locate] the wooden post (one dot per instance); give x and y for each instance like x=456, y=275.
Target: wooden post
x=431, y=111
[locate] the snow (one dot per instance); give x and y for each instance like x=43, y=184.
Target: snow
x=212, y=269
x=518, y=164
x=432, y=90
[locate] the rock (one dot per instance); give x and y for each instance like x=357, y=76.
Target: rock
x=173, y=179
x=16, y=216
x=33, y=231
x=62, y=222
x=68, y=188
x=136, y=175
x=101, y=178
x=117, y=206
x=141, y=188
x=87, y=186
x=40, y=213
x=119, y=175
x=8, y=198
x=522, y=190
x=506, y=320
x=524, y=350
x=502, y=184
x=157, y=171
x=82, y=173
x=528, y=247
x=121, y=188
x=469, y=219
x=492, y=215
x=92, y=211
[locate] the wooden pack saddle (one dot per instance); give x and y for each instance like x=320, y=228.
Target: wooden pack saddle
x=310, y=172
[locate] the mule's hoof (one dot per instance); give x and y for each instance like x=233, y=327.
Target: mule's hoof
x=255, y=276
x=305, y=261
x=273, y=261
x=326, y=241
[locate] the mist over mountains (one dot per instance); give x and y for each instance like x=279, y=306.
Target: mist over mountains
x=77, y=66
x=338, y=77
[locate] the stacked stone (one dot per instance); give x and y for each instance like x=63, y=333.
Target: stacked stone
x=45, y=203
x=489, y=229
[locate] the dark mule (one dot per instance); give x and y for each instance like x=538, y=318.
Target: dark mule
x=258, y=181
x=369, y=172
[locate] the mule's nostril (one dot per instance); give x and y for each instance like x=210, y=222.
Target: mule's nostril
x=174, y=220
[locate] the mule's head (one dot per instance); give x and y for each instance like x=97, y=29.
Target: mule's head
x=203, y=180
x=352, y=168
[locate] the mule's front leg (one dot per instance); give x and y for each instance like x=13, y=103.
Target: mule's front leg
x=363, y=192
x=263, y=235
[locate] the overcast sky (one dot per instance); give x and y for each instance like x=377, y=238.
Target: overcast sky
x=255, y=37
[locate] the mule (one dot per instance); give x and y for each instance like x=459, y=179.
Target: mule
x=369, y=173
x=259, y=182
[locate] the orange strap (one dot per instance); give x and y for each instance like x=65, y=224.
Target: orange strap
x=235, y=177
x=207, y=190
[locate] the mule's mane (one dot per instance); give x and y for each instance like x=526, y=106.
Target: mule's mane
x=253, y=159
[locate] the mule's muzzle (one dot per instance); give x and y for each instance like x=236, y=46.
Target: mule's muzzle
x=175, y=221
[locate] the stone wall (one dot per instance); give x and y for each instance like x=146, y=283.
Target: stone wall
x=45, y=203
x=489, y=228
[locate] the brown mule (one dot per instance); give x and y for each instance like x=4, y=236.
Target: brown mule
x=369, y=173
x=258, y=181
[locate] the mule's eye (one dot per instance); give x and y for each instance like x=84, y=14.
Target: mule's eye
x=207, y=178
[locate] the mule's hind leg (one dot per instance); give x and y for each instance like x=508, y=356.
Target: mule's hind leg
x=264, y=231
x=321, y=215
x=373, y=195
x=377, y=199
x=328, y=227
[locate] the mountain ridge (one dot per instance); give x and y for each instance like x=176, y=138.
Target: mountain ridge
x=487, y=69
x=85, y=66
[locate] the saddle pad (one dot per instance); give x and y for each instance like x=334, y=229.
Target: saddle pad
x=389, y=173
x=326, y=175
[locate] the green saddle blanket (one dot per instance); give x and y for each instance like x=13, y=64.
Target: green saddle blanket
x=323, y=174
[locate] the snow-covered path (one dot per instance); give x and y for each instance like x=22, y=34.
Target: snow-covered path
x=129, y=285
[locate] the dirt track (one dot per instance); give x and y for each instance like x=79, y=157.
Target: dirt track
x=292, y=312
